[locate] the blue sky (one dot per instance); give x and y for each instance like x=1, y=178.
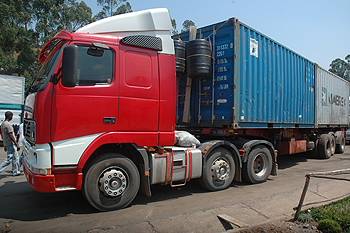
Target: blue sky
x=318, y=30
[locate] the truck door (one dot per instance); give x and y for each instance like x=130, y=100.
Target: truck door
x=91, y=107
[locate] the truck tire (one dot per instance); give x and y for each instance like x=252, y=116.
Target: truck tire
x=258, y=166
x=314, y=152
x=219, y=170
x=340, y=147
x=324, y=147
x=332, y=141
x=111, y=182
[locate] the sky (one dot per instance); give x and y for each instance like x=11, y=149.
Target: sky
x=319, y=30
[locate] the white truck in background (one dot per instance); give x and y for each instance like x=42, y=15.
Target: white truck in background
x=11, y=97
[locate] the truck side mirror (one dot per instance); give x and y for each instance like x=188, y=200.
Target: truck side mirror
x=69, y=66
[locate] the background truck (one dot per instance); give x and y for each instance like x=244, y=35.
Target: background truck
x=103, y=108
x=11, y=97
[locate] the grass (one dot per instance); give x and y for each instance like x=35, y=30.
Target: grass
x=338, y=211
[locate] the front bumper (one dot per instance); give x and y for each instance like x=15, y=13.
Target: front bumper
x=42, y=177
x=40, y=183
x=63, y=181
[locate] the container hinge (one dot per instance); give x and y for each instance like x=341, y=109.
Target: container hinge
x=205, y=94
x=207, y=102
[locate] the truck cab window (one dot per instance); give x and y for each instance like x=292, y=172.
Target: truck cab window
x=95, y=67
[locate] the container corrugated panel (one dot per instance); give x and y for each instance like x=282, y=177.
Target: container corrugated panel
x=275, y=84
x=258, y=83
x=332, y=99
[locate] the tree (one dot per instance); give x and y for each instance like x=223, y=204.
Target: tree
x=20, y=40
x=341, y=67
x=186, y=25
x=47, y=18
x=125, y=8
x=174, y=31
x=26, y=25
x=16, y=40
x=112, y=7
x=74, y=15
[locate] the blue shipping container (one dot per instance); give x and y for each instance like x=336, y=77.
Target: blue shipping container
x=256, y=82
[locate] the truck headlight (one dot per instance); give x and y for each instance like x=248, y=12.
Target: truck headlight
x=41, y=171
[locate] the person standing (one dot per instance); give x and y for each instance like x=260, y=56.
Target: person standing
x=10, y=144
x=20, y=138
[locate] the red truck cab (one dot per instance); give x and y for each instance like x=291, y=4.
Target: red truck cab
x=111, y=82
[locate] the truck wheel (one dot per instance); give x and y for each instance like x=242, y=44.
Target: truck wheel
x=314, y=152
x=111, y=182
x=258, y=166
x=332, y=141
x=219, y=170
x=340, y=147
x=324, y=147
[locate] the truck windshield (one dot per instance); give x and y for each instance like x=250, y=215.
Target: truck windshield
x=52, y=50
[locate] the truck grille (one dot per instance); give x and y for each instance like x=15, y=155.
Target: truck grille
x=30, y=131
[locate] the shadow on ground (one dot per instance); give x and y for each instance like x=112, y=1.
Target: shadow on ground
x=20, y=202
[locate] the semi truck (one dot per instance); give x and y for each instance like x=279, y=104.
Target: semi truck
x=106, y=111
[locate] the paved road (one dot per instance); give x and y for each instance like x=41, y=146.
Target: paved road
x=187, y=209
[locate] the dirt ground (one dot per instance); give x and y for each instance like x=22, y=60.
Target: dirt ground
x=282, y=226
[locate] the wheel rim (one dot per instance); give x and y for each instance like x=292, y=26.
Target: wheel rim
x=220, y=169
x=332, y=145
x=328, y=148
x=113, y=182
x=342, y=144
x=260, y=164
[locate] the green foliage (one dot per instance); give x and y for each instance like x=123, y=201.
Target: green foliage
x=46, y=14
x=186, y=25
x=174, y=31
x=305, y=217
x=329, y=226
x=125, y=8
x=26, y=25
x=74, y=15
x=112, y=7
x=338, y=211
x=341, y=67
x=8, y=64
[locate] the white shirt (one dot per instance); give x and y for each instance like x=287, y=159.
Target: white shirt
x=20, y=133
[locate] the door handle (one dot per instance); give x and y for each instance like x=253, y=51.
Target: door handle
x=109, y=120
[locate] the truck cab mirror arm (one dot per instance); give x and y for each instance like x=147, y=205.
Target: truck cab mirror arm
x=55, y=78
